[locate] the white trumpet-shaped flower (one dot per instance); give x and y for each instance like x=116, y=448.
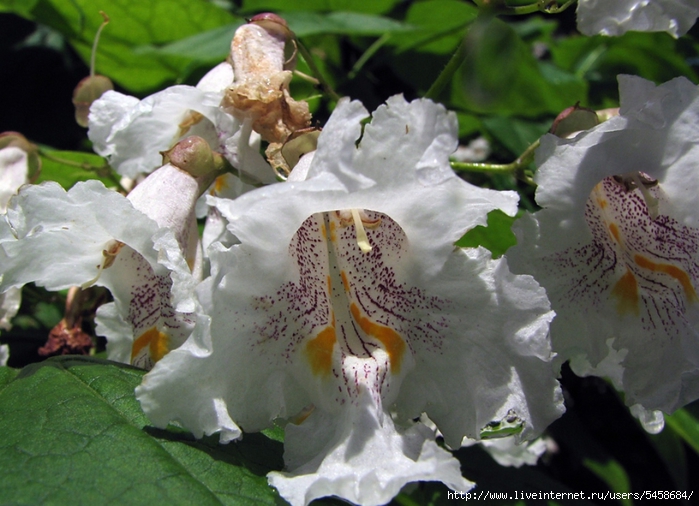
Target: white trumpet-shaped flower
x=616, y=244
x=144, y=248
x=347, y=310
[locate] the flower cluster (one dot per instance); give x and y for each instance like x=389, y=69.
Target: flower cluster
x=335, y=303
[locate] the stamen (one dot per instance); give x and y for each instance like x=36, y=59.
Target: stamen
x=651, y=201
x=109, y=257
x=362, y=239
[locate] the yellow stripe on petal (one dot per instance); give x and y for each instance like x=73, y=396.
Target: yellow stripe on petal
x=671, y=270
x=626, y=293
x=156, y=341
x=391, y=340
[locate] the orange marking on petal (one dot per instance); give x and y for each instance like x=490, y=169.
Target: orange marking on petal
x=681, y=276
x=219, y=184
x=345, y=281
x=602, y=203
x=615, y=232
x=156, y=341
x=391, y=340
x=320, y=351
x=333, y=237
x=626, y=292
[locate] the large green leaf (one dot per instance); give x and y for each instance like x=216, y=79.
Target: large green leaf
x=500, y=75
x=373, y=7
x=69, y=167
x=343, y=23
x=133, y=24
x=73, y=433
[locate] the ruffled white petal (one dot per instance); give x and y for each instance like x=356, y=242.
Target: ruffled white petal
x=131, y=133
x=59, y=236
x=360, y=455
x=9, y=305
x=616, y=17
x=508, y=452
x=4, y=354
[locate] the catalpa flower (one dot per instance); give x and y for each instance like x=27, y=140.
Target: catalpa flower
x=616, y=17
x=144, y=248
x=347, y=310
x=19, y=162
x=131, y=133
x=616, y=244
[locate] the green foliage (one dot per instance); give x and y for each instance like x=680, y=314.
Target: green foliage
x=69, y=167
x=685, y=423
x=612, y=473
x=73, y=433
x=375, y=7
x=500, y=75
x=132, y=25
x=497, y=236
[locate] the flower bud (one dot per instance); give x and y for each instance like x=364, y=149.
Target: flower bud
x=192, y=155
x=87, y=91
x=16, y=139
x=573, y=120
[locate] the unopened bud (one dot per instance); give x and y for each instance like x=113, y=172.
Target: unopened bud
x=86, y=92
x=192, y=155
x=273, y=24
x=16, y=139
x=572, y=120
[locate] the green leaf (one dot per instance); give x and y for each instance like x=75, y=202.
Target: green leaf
x=74, y=434
x=497, y=236
x=343, y=23
x=614, y=475
x=22, y=7
x=7, y=374
x=373, y=7
x=212, y=45
x=515, y=134
x=654, y=56
x=132, y=25
x=686, y=425
x=69, y=167
x=500, y=75
x=440, y=25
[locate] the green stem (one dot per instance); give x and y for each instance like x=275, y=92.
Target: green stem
x=446, y=75
x=371, y=51
x=494, y=168
x=316, y=71
x=546, y=6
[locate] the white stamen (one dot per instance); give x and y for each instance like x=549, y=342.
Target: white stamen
x=651, y=201
x=362, y=239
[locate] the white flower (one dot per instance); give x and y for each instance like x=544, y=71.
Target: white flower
x=347, y=309
x=616, y=17
x=14, y=172
x=131, y=133
x=137, y=247
x=616, y=244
